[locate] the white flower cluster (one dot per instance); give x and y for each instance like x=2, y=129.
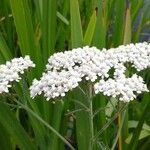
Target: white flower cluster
x=124, y=88
x=11, y=70
x=66, y=69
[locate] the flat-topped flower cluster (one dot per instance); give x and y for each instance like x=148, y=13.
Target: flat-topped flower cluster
x=11, y=70
x=66, y=69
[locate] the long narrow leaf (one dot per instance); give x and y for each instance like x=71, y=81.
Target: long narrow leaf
x=118, y=23
x=76, y=28
x=4, y=49
x=8, y=120
x=90, y=29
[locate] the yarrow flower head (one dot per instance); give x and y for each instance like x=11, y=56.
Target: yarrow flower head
x=66, y=69
x=11, y=70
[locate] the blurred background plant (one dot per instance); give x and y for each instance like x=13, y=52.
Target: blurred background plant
x=40, y=28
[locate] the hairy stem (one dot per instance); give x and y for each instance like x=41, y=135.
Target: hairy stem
x=91, y=117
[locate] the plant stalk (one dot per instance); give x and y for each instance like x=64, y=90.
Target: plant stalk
x=120, y=136
x=91, y=117
x=124, y=129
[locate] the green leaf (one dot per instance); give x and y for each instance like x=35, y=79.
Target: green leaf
x=12, y=126
x=76, y=28
x=36, y=116
x=143, y=135
x=134, y=140
x=24, y=27
x=56, y=123
x=118, y=23
x=4, y=49
x=135, y=8
x=90, y=29
x=127, y=30
x=5, y=142
x=110, y=107
x=23, y=24
x=83, y=126
x=137, y=36
x=99, y=37
x=100, y=120
x=133, y=124
x=49, y=27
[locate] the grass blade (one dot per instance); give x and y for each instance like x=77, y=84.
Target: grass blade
x=90, y=29
x=45, y=123
x=4, y=49
x=135, y=8
x=99, y=38
x=49, y=27
x=127, y=30
x=5, y=141
x=23, y=25
x=13, y=127
x=24, y=28
x=56, y=123
x=76, y=28
x=119, y=23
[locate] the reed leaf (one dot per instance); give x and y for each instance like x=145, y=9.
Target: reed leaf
x=13, y=127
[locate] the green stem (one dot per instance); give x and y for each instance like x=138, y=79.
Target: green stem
x=124, y=131
x=120, y=136
x=91, y=117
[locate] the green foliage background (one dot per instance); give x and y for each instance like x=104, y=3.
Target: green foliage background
x=40, y=28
